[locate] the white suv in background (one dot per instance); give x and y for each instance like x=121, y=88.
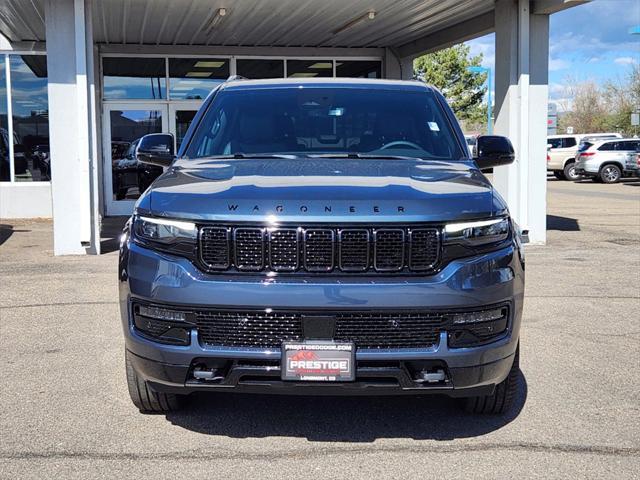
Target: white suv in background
x=562, y=150
x=608, y=161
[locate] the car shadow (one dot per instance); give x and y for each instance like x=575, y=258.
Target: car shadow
x=339, y=419
x=562, y=224
x=110, y=233
x=6, y=231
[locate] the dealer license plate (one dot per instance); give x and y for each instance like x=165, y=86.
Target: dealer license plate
x=318, y=361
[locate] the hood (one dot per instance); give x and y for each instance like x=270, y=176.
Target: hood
x=326, y=190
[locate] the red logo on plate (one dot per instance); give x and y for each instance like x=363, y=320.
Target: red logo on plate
x=304, y=355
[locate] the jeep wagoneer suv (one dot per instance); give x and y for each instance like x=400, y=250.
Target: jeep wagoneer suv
x=322, y=237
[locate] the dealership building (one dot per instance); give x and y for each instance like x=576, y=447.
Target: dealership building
x=80, y=80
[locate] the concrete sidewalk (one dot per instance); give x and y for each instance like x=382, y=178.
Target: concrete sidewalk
x=66, y=413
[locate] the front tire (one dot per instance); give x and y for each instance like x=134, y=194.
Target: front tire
x=570, y=172
x=146, y=399
x=610, y=174
x=503, y=395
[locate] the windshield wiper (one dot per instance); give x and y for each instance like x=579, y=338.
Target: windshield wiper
x=240, y=155
x=362, y=155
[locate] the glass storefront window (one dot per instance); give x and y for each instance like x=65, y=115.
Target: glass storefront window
x=134, y=78
x=309, y=68
x=30, y=114
x=194, y=78
x=260, y=68
x=130, y=178
x=5, y=169
x=359, y=68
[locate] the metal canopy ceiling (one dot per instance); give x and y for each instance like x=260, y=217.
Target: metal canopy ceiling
x=275, y=23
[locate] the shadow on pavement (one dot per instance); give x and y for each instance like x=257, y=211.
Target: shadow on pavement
x=562, y=224
x=338, y=419
x=6, y=231
x=110, y=233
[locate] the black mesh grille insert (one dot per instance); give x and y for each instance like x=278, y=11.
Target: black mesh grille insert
x=319, y=250
x=366, y=329
x=249, y=248
x=424, y=248
x=390, y=330
x=354, y=250
x=389, y=249
x=248, y=329
x=214, y=247
x=284, y=249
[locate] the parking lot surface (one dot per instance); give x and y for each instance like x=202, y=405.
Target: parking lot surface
x=65, y=411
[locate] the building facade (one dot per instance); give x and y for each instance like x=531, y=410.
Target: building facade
x=82, y=80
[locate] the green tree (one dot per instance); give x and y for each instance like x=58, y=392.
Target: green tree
x=448, y=70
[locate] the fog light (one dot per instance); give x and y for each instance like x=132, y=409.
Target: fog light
x=162, y=314
x=471, y=329
x=477, y=317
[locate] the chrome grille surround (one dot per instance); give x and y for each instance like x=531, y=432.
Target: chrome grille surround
x=320, y=249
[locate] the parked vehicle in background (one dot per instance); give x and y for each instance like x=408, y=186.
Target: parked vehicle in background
x=562, y=150
x=472, y=144
x=608, y=161
x=128, y=173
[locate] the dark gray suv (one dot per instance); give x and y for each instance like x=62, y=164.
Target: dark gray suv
x=322, y=237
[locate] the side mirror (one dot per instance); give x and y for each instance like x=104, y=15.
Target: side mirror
x=156, y=149
x=493, y=151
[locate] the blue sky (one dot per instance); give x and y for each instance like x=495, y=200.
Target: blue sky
x=587, y=42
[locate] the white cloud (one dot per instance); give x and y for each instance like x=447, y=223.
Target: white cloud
x=625, y=60
x=558, y=64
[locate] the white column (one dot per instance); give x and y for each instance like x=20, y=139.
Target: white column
x=71, y=116
x=407, y=68
x=522, y=48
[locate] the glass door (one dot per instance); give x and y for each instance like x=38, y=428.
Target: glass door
x=124, y=177
x=180, y=117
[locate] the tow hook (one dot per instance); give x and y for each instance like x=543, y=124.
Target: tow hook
x=430, y=377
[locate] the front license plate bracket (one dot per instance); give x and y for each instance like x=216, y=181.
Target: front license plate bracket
x=318, y=361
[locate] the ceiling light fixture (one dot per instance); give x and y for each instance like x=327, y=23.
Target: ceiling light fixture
x=217, y=18
x=319, y=65
x=370, y=15
x=209, y=64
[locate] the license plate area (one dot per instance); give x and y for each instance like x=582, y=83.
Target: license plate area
x=318, y=361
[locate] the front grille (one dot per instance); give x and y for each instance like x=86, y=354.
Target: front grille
x=389, y=250
x=374, y=330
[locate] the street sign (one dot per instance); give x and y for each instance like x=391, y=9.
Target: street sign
x=635, y=119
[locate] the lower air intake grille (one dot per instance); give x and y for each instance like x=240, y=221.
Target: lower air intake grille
x=366, y=329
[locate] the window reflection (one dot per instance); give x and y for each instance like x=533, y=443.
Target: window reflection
x=134, y=78
x=194, y=78
x=260, y=68
x=182, y=120
x=359, y=68
x=30, y=113
x=130, y=178
x=309, y=68
x=5, y=172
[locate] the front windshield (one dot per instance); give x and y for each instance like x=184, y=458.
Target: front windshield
x=325, y=120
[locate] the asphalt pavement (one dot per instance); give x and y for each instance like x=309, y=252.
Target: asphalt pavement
x=65, y=411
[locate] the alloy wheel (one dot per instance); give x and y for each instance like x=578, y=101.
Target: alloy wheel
x=610, y=174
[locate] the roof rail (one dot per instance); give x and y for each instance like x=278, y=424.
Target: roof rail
x=235, y=77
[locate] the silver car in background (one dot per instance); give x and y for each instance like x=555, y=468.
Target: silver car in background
x=608, y=161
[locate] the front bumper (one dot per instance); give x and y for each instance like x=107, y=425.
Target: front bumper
x=473, y=282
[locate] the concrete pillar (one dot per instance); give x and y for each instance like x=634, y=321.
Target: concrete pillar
x=71, y=119
x=407, y=68
x=521, y=83
x=392, y=65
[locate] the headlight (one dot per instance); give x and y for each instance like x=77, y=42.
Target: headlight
x=477, y=232
x=164, y=231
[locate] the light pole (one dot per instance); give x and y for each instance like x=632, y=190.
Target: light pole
x=478, y=69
